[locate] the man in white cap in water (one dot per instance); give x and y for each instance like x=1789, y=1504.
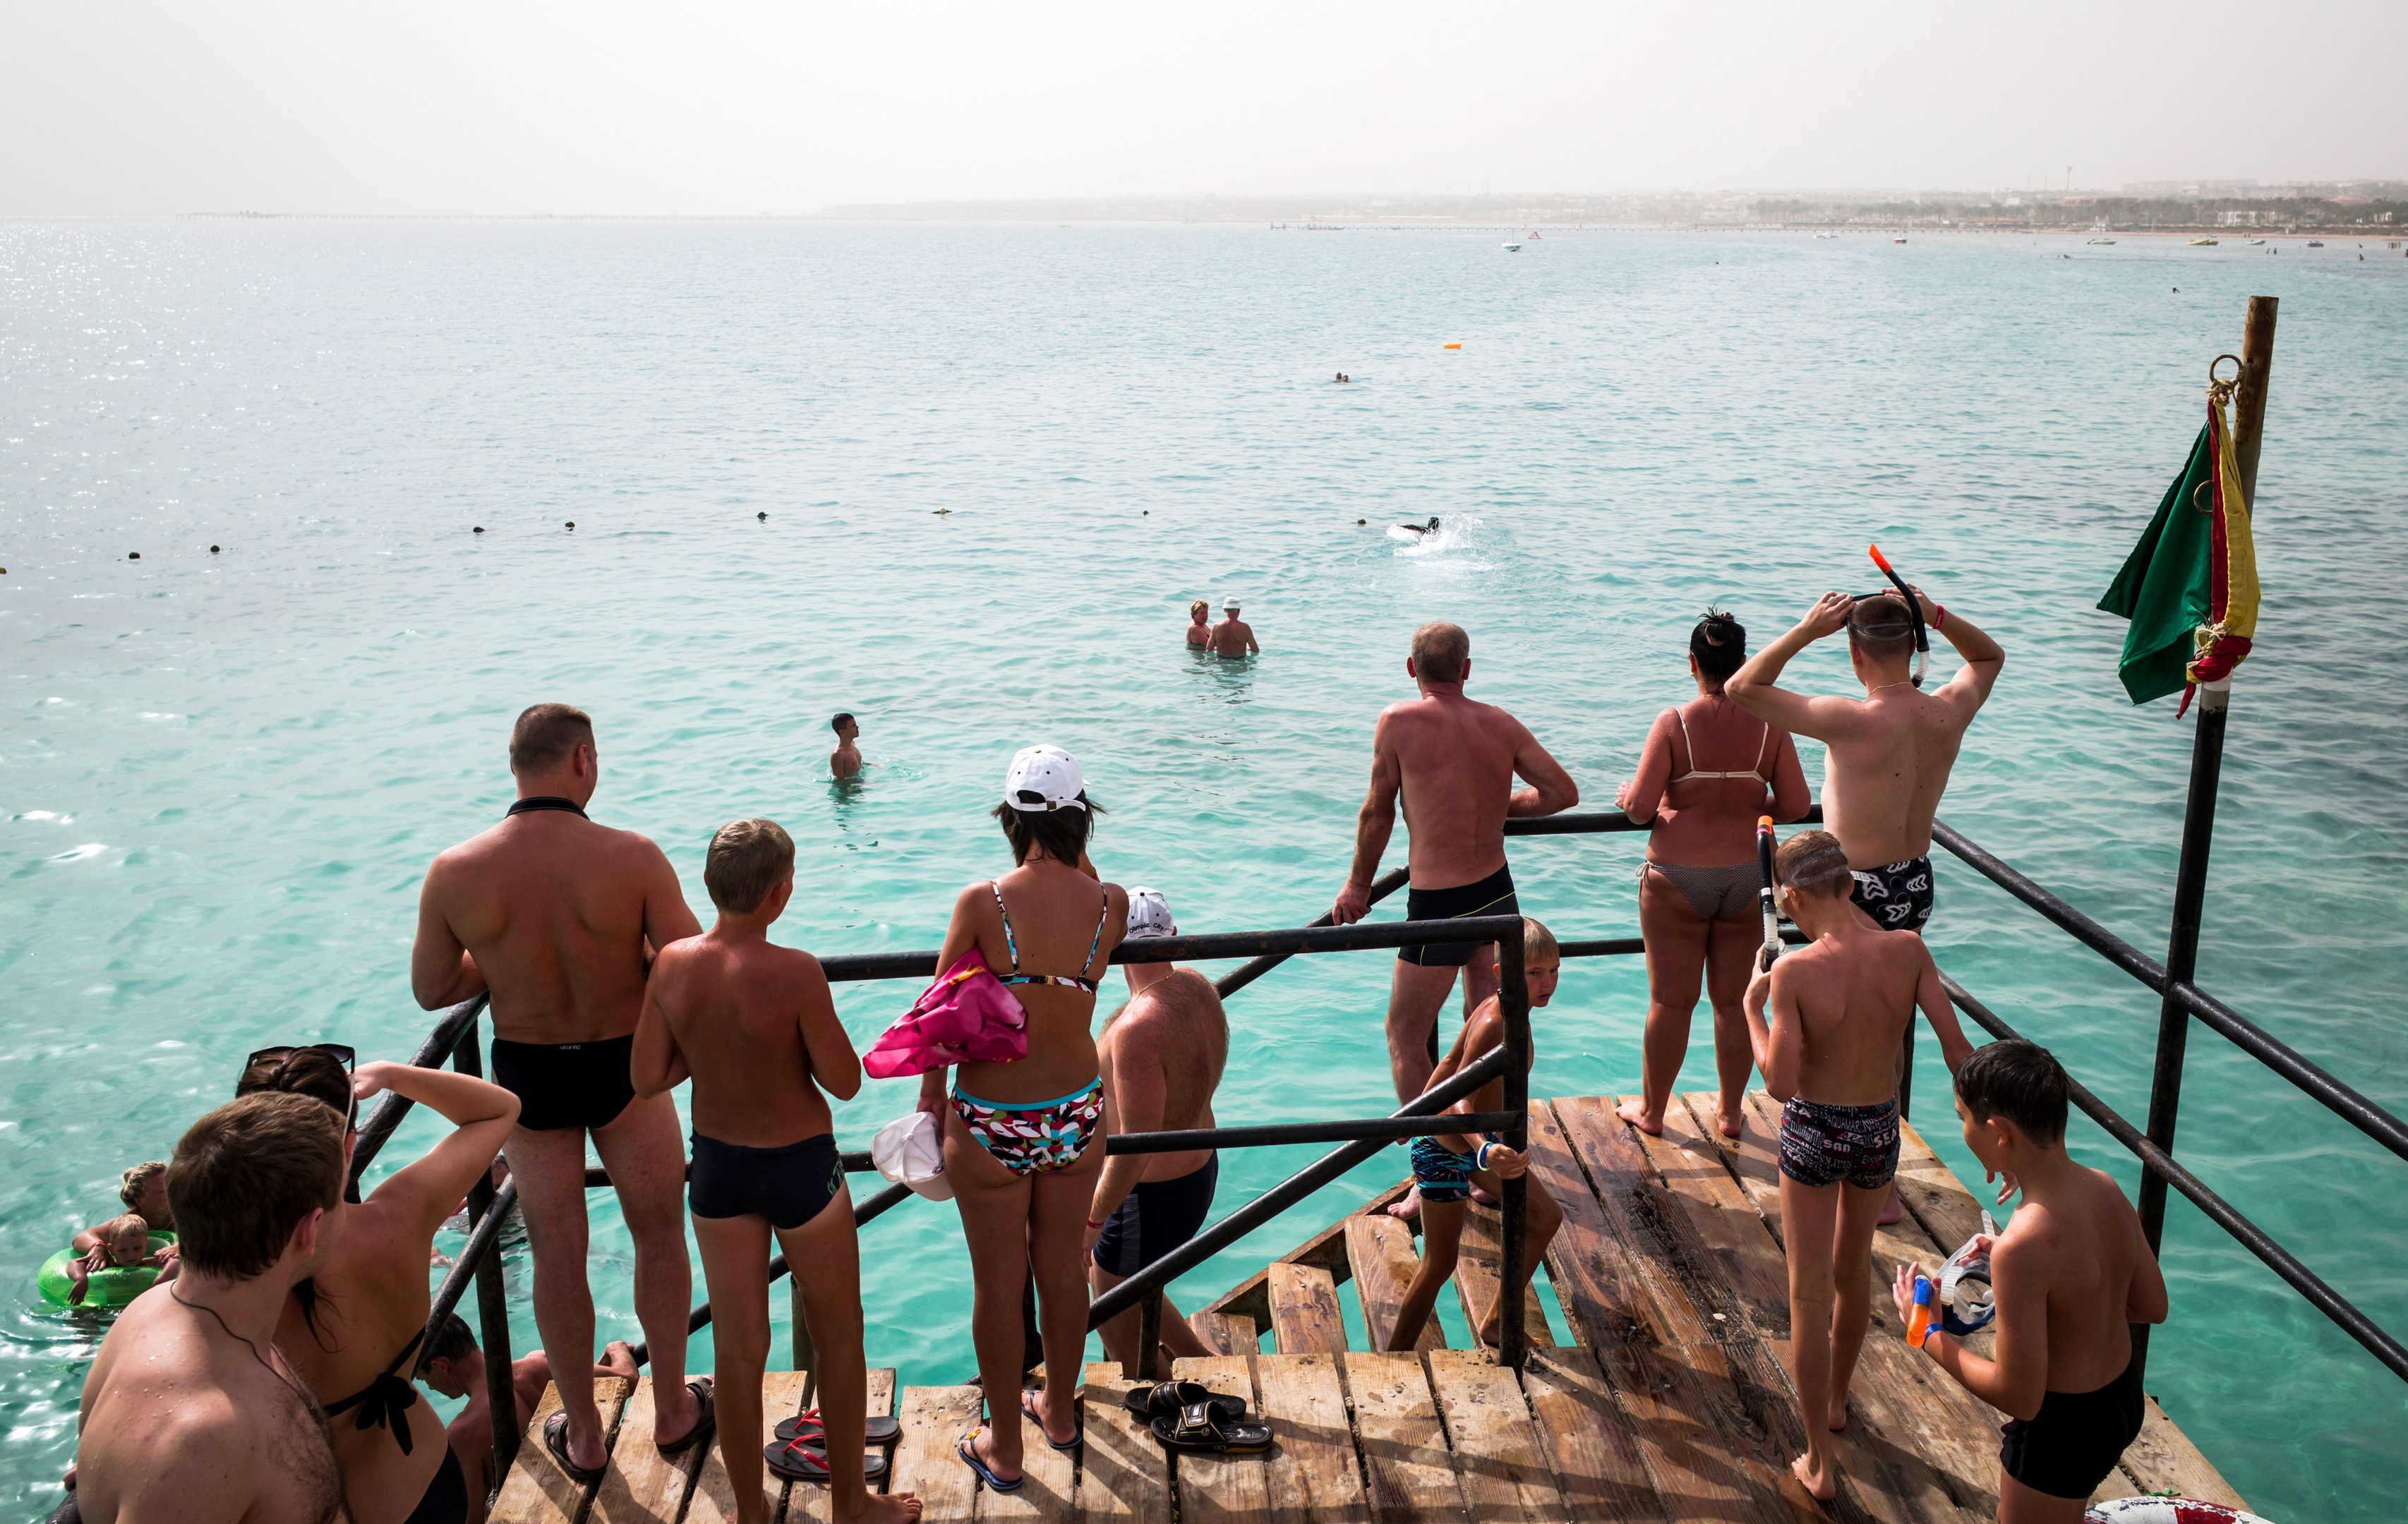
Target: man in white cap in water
x=1233, y=636
x=1161, y=1057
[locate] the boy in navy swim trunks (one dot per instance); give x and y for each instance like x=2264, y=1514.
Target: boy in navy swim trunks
x=1445, y=1166
x=1827, y=1023
x=753, y=1026
x=2071, y=1273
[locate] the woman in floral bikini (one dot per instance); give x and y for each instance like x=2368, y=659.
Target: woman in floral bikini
x=1022, y=1139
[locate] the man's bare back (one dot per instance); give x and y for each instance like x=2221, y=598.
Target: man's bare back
x=555, y=916
x=1176, y=1030
x=1234, y=636
x=738, y=1012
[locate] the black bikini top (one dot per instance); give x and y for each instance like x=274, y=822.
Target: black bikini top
x=383, y=1401
x=544, y=801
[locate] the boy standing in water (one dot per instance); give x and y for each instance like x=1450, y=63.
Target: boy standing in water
x=753, y=1026
x=845, y=761
x=2070, y=1274
x=1445, y=1166
x=1827, y=1023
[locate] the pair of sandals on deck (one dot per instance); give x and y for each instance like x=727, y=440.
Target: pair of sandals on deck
x=555, y=1435
x=800, y=1454
x=1185, y=1417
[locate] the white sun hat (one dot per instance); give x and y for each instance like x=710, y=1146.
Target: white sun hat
x=910, y=1151
x=1150, y=915
x=1043, y=778
x=1229, y=602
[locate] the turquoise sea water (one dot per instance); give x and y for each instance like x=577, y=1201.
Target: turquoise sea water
x=222, y=776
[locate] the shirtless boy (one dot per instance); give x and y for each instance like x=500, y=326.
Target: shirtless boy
x=845, y=761
x=558, y=917
x=1446, y=1164
x=1827, y=1024
x=1233, y=636
x=1161, y=1057
x=752, y=1025
x=2070, y=1274
x=190, y=1413
x=1889, y=751
x=1454, y=761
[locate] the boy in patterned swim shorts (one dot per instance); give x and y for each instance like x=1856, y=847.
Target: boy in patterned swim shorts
x=1446, y=1165
x=1827, y=1023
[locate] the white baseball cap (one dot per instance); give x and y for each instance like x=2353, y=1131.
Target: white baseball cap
x=1150, y=915
x=910, y=1151
x=1043, y=778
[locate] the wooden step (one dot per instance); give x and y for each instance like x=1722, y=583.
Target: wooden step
x=925, y=1462
x=1404, y=1446
x=1223, y=1489
x=808, y=1502
x=1501, y=1462
x=537, y=1491
x=1226, y=1333
x=713, y=1498
x=642, y=1486
x=1122, y=1476
x=1380, y=1248
x=1478, y=1270
x=1312, y=1476
x=1305, y=1317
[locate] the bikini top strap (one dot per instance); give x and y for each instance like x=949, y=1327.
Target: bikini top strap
x=1686, y=745
x=1008, y=945
x=1761, y=748
x=1098, y=940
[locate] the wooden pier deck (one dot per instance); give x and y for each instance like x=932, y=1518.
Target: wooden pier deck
x=1665, y=1400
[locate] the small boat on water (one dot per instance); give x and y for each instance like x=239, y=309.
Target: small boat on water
x=2202, y=243
x=2315, y=243
x=1827, y=235
x=1513, y=248
x=2255, y=242
x=2110, y=242
x=1898, y=240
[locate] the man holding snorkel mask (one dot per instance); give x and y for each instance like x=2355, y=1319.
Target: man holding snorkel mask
x=1891, y=750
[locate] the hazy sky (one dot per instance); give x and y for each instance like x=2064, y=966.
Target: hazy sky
x=736, y=106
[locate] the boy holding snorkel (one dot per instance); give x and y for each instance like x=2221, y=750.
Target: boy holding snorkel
x=2070, y=1275
x=1827, y=1023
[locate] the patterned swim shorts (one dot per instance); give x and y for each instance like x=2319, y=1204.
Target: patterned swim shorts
x=1822, y=1146
x=1896, y=896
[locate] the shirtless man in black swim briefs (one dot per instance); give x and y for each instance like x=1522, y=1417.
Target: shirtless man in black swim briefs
x=1889, y=751
x=1161, y=1056
x=1454, y=761
x=191, y=1414
x=558, y=917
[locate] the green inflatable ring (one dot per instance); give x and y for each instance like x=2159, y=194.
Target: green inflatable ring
x=108, y=1289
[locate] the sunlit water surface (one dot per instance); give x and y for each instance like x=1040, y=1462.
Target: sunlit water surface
x=996, y=462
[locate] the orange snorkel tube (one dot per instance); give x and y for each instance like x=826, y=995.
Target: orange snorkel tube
x=1913, y=610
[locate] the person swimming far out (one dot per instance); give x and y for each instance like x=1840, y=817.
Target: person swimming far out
x=1200, y=623
x=1430, y=527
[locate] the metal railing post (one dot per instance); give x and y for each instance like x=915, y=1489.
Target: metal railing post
x=1514, y=1003
x=493, y=1302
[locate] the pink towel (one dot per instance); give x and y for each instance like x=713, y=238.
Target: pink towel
x=965, y=1016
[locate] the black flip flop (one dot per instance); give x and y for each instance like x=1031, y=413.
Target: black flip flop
x=704, y=1422
x=881, y=1428
x=1200, y=1430
x=555, y=1441
x=797, y=1460
x=1070, y=1447
x=1167, y=1399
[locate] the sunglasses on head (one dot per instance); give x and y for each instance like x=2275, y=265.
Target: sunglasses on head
x=347, y=1057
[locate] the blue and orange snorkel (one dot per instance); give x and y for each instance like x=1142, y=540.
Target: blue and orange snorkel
x=1913, y=611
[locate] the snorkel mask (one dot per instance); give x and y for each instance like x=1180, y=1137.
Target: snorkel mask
x=1965, y=1298
x=1913, y=611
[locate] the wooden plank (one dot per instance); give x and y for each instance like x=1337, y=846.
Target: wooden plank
x=1226, y=1333
x=1221, y=1488
x=1404, y=1446
x=536, y=1490
x=812, y=1501
x=713, y=1498
x=1499, y=1460
x=1691, y=1462
x=1380, y=1248
x=1745, y=1403
x=1124, y=1477
x=1480, y=1270
x=1046, y=1477
x=1313, y=1473
x=1932, y=1194
x=1903, y=1460
x=934, y=1420
x=1305, y=1319
x=1588, y=1440
x=1250, y=1298
x=2163, y=1459
x=642, y=1486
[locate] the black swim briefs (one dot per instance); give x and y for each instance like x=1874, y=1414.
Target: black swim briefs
x=789, y=1186
x=1491, y=896
x=2069, y=1448
x=1822, y=1146
x=1897, y=896
x=1157, y=1217
x=567, y=1084
x=445, y=1498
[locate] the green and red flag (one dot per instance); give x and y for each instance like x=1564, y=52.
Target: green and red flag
x=2191, y=586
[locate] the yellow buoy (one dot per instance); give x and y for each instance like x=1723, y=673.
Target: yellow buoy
x=1454, y=346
